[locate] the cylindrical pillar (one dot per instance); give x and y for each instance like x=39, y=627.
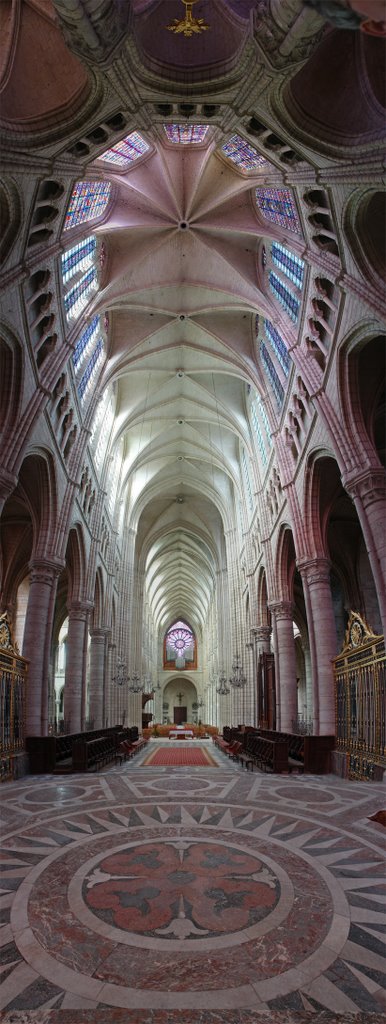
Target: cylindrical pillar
x=37, y=642
x=286, y=696
x=74, y=689
x=97, y=676
x=315, y=573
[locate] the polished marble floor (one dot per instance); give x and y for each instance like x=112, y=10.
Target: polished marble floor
x=191, y=896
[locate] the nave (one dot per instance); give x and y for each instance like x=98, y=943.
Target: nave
x=192, y=895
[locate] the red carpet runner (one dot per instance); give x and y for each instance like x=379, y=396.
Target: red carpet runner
x=190, y=757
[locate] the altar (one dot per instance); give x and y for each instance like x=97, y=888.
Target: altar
x=181, y=733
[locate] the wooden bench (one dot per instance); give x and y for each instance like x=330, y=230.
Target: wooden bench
x=267, y=754
x=89, y=754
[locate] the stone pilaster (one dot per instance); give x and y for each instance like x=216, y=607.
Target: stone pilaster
x=285, y=662
x=75, y=680
x=315, y=573
x=98, y=682
x=37, y=641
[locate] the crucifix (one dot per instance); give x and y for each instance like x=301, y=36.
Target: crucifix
x=180, y=696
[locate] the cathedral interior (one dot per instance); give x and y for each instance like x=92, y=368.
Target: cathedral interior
x=192, y=511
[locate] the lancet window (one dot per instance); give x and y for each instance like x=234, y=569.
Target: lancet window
x=277, y=205
x=279, y=348
x=79, y=257
x=180, y=648
x=86, y=343
x=272, y=375
x=77, y=298
x=89, y=374
x=291, y=265
x=247, y=478
x=101, y=428
x=243, y=154
x=126, y=151
x=88, y=202
x=286, y=298
x=185, y=134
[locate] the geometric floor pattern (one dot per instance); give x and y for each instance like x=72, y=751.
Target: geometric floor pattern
x=192, y=896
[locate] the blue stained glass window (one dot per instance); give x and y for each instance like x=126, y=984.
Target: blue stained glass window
x=264, y=417
x=79, y=257
x=286, y=298
x=278, y=346
x=77, y=298
x=259, y=434
x=247, y=480
x=126, y=151
x=290, y=264
x=86, y=341
x=243, y=154
x=272, y=375
x=277, y=205
x=88, y=201
x=186, y=134
x=86, y=379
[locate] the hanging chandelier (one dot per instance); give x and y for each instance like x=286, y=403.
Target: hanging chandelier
x=222, y=688
x=136, y=685
x=188, y=26
x=237, y=679
x=121, y=677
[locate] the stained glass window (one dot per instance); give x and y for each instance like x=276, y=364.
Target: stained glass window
x=272, y=375
x=79, y=257
x=277, y=205
x=278, y=346
x=86, y=342
x=286, y=298
x=126, y=151
x=180, y=645
x=291, y=265
x=90, y=371
x=259, y=434
x=242, y=154
x=187, y=134
x=77, y=298
x=247, y=480
x=264, y=417
x=88, y=201
x=103, y=421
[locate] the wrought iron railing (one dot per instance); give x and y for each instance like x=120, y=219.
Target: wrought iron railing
x=360, y=696
x=13, y=677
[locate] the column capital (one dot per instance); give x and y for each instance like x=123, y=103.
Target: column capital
x=261, y=633
x=315, y=570
x=282, y=609
x=100, y=633
x=45, y=570
x=79, y=609
x=368, y=484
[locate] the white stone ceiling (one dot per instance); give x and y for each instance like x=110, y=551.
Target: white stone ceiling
x=181, y=287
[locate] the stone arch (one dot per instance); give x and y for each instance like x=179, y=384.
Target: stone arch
x=99, y=597
x=12, y=379
x=364, y=222
x=320, y=94
x=11, y=216
x=27, y=523
x=285, y=563
x=362, y=374
x=263, y=612
x=37, y=479
x=76, y=564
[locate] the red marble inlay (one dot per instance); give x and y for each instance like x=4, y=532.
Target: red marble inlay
x=214, y=889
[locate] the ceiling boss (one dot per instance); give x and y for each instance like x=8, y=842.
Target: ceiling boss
x=188, y=26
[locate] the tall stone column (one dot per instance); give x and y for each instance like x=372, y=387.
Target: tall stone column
x=368, y=490
x=98, y=709
x=315, y=573
x=75, y=680
x=37, y=641
x=262, y=642
x=286, y=695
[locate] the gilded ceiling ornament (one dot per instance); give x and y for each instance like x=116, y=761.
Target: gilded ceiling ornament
x=188, y=26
